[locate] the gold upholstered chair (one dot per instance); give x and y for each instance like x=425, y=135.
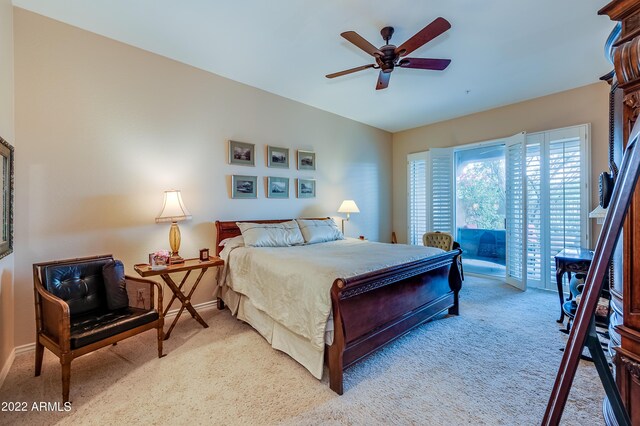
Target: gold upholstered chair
x=441, y=240
x=444, y=241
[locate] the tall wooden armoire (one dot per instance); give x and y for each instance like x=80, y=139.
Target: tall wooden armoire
x=625, y=283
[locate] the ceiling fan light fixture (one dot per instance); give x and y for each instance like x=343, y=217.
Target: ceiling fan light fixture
x=387, y=57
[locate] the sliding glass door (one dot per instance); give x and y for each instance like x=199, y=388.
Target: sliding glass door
x=480, y=208
x=512, y=204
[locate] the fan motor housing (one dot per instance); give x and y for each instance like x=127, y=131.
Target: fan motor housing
x=388, y=59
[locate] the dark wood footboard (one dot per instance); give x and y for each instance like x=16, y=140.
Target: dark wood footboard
x=373, y=309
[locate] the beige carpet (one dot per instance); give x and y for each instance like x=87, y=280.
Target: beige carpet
x=494, y=364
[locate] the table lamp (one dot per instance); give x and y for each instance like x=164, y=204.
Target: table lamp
x=173, y=210
x=348, y=207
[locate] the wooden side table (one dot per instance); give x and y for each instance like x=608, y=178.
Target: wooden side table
x=144, y=269
x=570, y=261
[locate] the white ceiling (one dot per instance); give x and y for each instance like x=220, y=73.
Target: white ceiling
x=502, y=51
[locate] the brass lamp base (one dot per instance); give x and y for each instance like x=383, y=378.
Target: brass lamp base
x=174, y=242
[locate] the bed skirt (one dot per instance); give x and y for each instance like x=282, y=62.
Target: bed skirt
x=278, y=336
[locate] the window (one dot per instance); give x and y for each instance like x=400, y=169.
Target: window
x=430, y=193
x=546, y=205
x=557, y=177
x=417, y=196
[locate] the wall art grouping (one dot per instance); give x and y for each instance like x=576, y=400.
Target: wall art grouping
x=243, y=186
x=243, y=154
x=277, y=187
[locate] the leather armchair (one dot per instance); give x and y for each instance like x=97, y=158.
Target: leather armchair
x=72, y=316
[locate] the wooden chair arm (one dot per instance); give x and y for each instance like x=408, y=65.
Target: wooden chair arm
x=141, y=292
x=52, y=315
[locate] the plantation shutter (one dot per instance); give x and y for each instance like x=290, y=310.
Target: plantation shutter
x=537, y=206
x=417, y=197
x=515, y=210
x=441, y=190
x=557, y=199
x=568, y=206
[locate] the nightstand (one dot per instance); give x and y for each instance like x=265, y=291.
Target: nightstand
x=189, y=265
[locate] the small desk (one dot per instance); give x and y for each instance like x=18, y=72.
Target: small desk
x=189, y=265
x=571, y=261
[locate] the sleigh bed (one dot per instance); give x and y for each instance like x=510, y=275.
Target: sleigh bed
x=367, y=310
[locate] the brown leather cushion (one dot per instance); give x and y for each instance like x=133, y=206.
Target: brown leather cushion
x=115, y=285
x=95, y=326
x=79, y=284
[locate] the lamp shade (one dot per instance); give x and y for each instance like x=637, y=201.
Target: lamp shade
x=173, y=209
x=348, y=206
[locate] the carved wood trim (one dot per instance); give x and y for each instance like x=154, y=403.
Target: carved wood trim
x=632, y=366
x=627, y=63
x=381, y=282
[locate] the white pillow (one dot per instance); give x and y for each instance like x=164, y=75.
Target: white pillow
x=233, y=242
x=271, y=234
x=319, y=231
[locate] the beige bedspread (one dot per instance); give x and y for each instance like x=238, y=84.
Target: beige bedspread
x=292, y=284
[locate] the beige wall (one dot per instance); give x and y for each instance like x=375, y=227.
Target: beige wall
x=588, y=104
x=105, y=128
x=7, y=132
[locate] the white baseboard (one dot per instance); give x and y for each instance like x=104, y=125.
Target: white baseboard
x=7, y=366
x=29, y=347
x=25, y=348
x=200, y=307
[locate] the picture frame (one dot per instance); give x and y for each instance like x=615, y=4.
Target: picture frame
x=242, y=153
x=306, y=188
x=243, y=187
x=7, y=177
x=277, y=187
x=277, y=157
x=204, y=254
x=306, y=160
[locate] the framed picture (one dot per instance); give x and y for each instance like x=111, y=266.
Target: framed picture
x=306, y=160
x=277, y=157
x=242, y=153
x=204, y=254
x=306, y=188
x=277, y=187
x=244, y=186
x=6, y=200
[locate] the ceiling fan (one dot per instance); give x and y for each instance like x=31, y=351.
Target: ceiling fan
x=388, y=56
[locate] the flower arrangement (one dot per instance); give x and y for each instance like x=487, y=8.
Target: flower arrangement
x=161, y=257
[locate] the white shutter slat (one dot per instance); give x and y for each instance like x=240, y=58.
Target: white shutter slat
x=534, y=210
x=515, y=210
x=417, y=196
x=441, y=190
x=565, y=197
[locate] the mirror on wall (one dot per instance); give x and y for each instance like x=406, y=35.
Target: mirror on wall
x=6, y=200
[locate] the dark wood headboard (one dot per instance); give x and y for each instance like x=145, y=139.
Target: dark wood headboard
x=229, y=229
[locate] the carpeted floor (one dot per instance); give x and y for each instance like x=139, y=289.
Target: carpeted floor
x=494, y=365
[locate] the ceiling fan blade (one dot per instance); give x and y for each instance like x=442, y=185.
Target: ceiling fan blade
x=428, y=33
x=349, y=71
x=424, y=63
x=363, y=44
x=383, y=80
